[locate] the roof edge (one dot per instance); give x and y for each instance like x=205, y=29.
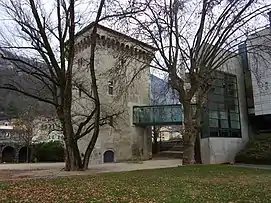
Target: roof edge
x=85, y=29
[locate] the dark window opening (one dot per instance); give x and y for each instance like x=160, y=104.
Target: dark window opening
x=110, y=87
x=80, y=90
x=266, y=86
x=80, y=62
x=122, y=63
x=214, y=133
x=111, y=121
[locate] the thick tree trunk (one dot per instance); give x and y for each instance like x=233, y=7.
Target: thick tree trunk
x=27, y=153
x=90, y=148
x=189, y=135
x=73, y=160
x=198, y=150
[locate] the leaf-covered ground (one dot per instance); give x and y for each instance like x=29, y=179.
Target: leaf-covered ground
x=213, y=183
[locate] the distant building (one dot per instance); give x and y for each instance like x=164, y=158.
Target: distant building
x=46, y=130
x=170, y=133
x=12, y=143
x=257, y=67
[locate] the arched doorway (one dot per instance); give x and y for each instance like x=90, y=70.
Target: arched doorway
x=8, y=154
x=23, y=154
x=108, y=156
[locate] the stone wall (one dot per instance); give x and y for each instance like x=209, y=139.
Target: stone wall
x=118, y=58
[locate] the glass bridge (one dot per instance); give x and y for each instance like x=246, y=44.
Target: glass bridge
x=157, y=115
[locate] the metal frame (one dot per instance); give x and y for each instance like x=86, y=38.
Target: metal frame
x=152, y=107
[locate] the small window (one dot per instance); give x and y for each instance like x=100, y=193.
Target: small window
x=234, y=116
x=214, y=133
x=223, y=115
x=224, y=133
x=236, y=133
x=111, y=121
x=219, y=90
x=213, y=123
x=231, y=90
x=80, y=90
x=224, y=123
x=235, y=124
x=266, y=85
x=212, y=114
x=80, y=62
x=122, y=63
x=110, y=87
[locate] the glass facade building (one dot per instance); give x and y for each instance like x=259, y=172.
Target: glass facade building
x=221, y=118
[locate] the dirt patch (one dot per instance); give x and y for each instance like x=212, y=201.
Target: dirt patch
x=217, y=180
x=6, y=175
x=13, y=175
x=240, y=179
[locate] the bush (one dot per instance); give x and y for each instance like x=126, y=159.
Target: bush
x=52, y=151
x=257, y=151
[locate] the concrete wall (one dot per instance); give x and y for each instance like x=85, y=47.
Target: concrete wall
x=259, y=57
x=219, y=149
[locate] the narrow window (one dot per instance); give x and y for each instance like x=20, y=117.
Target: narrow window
x=80, y=90
x=122, y=63
x=110, y=87
x=111, y=121
x=80, y=62
x=266, y=86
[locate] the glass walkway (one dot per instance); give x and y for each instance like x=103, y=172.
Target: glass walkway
x=157, y=115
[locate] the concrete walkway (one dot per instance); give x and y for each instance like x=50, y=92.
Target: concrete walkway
x=52, y=170
x=253, y=166
x=31, y=166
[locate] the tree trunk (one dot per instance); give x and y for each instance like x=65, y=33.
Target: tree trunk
x=27, y=153
x=189, y=135
x=94, y=86
x=90, y=148
x=198, y=150
x=73, y=160
x=155, y=139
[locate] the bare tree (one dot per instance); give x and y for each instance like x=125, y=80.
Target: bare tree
x=161, y=93
x=49, y=38
x=23, y=125
x=195, y=38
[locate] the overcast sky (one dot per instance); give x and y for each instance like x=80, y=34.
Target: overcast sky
x=86, y=10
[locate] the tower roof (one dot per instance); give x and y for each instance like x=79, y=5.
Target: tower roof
x=136, y=41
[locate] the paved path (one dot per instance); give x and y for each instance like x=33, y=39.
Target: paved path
x=253, y=166
x=52, y=170
x=31, y=166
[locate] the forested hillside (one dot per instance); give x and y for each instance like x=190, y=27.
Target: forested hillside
x=13, y=104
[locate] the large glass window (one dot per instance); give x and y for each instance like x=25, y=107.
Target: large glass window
x=223, y=108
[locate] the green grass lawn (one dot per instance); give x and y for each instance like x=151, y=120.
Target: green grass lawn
x=213, y=183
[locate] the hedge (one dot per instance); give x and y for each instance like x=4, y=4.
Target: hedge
x=52, y=151
x=257, y=151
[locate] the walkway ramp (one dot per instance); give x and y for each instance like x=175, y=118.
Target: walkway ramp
x=157, y=115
